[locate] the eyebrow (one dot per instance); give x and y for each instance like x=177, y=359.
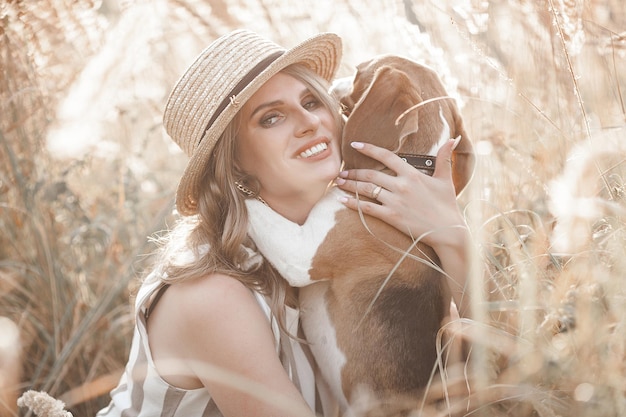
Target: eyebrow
x=262, y=106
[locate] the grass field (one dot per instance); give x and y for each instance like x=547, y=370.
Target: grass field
x=87, y=175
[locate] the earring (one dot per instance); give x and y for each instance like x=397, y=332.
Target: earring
x=249, y=193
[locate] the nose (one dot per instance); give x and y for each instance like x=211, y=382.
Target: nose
x=308, y=122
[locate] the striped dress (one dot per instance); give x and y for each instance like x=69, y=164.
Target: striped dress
x=141, y=392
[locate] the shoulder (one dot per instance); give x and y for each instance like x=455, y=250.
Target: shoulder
x=192, y=314
x=214, y=319
x=212, y=285
x=210, y=297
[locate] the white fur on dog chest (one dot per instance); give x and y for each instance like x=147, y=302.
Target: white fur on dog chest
x=288, y=246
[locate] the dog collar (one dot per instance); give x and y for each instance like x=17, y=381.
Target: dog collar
x=425, y=163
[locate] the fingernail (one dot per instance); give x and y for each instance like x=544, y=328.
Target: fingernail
x=342, y=199
x=357, y=145
x=343, y=174
x=456, y=142
x=340, y=181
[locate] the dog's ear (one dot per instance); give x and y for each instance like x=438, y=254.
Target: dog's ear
x=373, y=119
x=428, y=81
x=463, y=157
x=351, y=89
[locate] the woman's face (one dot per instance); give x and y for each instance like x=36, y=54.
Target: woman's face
x=289, y=141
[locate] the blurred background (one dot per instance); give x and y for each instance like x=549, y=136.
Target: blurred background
x=87, y=178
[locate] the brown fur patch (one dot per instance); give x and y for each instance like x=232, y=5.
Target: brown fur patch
x=390, y=348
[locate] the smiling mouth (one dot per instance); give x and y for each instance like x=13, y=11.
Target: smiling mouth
x=313, y=150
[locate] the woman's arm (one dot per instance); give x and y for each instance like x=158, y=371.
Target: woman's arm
x=212, y=332
x=421, y=206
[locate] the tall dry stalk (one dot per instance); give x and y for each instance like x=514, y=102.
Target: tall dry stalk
x=540, y=85
x=74, y=230
x=43, y=47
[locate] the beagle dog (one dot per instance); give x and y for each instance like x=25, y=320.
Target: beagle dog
x=372, y=299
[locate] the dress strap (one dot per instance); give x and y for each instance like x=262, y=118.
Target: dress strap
x=157, y=296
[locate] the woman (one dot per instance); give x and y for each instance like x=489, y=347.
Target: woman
x=215, y=323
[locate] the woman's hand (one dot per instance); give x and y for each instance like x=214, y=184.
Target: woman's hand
x=421, y=206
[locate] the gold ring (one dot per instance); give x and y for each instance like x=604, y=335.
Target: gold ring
x=376, y=192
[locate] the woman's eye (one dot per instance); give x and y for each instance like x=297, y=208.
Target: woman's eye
x=311, y=104
x=269, y=119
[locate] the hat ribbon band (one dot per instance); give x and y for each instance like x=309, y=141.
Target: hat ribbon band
x=247, y=79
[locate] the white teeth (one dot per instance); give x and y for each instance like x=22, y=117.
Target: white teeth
x=314, y=150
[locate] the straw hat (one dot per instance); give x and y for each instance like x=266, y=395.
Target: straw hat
x=219, y=82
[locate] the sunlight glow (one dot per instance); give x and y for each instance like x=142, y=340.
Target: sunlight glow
x=9, y=334
x=584, y=392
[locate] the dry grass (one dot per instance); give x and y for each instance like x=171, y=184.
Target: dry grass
x=87, y=174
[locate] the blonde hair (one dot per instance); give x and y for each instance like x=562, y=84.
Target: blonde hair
x=222, y=220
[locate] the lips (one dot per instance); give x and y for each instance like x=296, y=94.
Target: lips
x=313, y=150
